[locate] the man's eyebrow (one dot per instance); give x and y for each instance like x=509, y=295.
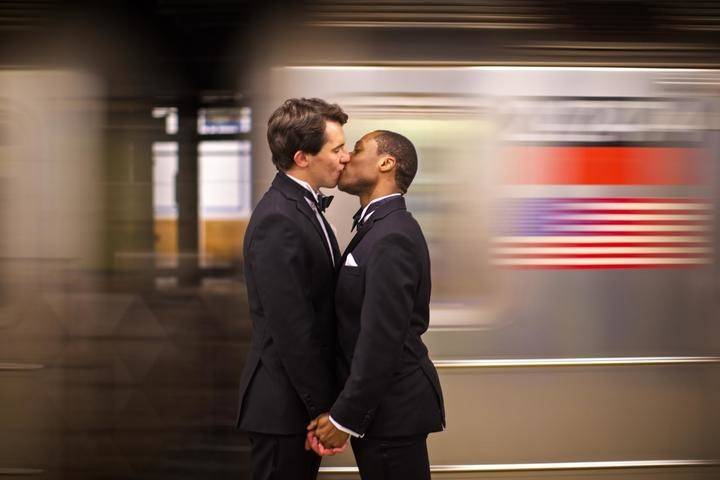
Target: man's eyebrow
x=340, y=145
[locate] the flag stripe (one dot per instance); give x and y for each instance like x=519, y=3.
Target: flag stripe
x=671, y=202
x=600, y=244
x=655, y=256
x=595, y=215
x=555, y=251
x=666, y=239
x=699, y=213
x=625, y=228
x=600, y=261
x=604, y=233
x=645, y=206
x=563, y=220
x=600, y=266
x=620, y=232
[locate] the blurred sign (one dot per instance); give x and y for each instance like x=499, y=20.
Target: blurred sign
x=225, y=121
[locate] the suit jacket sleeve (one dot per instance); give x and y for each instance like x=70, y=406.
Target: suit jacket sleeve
x=278, y=261
x=391, y=281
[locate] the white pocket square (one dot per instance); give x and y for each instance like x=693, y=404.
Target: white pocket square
x=350, y=261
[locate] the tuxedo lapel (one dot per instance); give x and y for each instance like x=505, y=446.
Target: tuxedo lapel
x=333, y=240
x=298, y=194
x=305, y=209
x=397, y=203
x=353, y=243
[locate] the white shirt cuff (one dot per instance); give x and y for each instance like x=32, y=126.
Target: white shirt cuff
x=343, y=429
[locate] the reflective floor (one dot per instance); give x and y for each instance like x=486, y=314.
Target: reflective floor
x=124, y=385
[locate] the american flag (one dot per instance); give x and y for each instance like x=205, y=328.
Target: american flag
x=577, y=233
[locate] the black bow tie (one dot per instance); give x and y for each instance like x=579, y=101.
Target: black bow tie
x=356, y=220
x=324, y=201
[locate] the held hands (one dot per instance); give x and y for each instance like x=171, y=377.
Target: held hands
x=323, y=438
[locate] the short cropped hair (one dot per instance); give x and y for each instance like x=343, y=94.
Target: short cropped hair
x=299, y=124
x=402, y=149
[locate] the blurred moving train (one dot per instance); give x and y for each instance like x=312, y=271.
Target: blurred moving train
x=571, y=215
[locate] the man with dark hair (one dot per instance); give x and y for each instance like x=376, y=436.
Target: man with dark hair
x=290, y=254
x=402, y=149
x=391, y=397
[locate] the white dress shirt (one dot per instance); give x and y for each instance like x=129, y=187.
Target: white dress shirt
x=363, y=218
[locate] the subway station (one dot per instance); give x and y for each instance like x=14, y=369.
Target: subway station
x=568, y=173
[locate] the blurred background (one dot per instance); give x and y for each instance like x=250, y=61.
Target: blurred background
x=568, y=189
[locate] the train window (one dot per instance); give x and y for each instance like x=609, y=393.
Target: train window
x=165, y=168
x=224, y=200
x=224, y=178
x=224, y=197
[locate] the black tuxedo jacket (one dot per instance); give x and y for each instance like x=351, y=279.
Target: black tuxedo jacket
x=391, y=387
x=289, y=375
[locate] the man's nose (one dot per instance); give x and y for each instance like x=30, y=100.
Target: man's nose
x=345, y=158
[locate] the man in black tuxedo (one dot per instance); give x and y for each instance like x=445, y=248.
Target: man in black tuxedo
x=290, y=254
x=391, y=398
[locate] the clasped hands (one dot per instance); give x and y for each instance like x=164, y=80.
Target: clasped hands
x=324, y=438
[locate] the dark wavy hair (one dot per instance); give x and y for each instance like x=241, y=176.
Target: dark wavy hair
x=299, y=124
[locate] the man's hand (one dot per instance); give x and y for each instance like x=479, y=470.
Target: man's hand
x=326, y=432
x=312, y=441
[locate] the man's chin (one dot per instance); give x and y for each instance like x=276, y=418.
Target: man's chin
x=329, y=184
x=335, y=182
x=345, y=187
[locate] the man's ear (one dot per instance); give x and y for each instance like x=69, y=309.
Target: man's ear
x=301, y=159
x=387, y=163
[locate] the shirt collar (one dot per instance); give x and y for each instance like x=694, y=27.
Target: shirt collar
x=305, y=185
x=362, y=215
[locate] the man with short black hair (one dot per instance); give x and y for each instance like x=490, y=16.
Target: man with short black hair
x=391, y=397
x=403, y=151
x=290, y=253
